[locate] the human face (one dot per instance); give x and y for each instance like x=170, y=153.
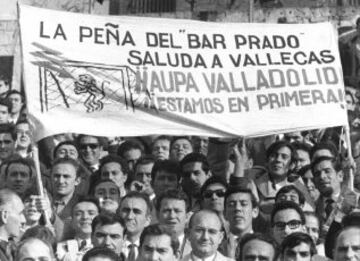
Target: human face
x=42, y=252
x=18, y=178
x=257, y=250
x=326, y=179
x=300, y=252
x=113, y=171
x=90, y=150
x=201, y=144
x=108, y=195
x=240, y=212
x=347, y=246
x=7, y=145
x=4, y=87
x=135, y=213
x=172, y=215
x=194, y=177
x=16, y=102
x=285, y=216
x=4, y=114
x=15, y=218
x=32, y=215
x=180, y=148
x=67, y=151
x=312, y=227
x=23, y=134
x=132, y=156
x=161, y=149
x=205, y=234
x=110, y=236
x=302, y=158
x=82, y=216
x=64, y=179
x=213, y=197
x=157, y=248
x=279, y=162
x=293, y=137
x=292, y=195
x=163, y=181
x=143, y=174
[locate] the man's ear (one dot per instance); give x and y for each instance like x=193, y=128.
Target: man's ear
x=4, y=214
x=255, y=212
x=77, y=181
x=340, y=175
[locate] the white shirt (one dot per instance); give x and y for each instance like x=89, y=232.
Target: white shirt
x=210, y=258
x=126, y=248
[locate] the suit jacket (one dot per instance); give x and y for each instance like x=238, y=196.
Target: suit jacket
x=3, y=253
x=65, y=213
x=218, y=257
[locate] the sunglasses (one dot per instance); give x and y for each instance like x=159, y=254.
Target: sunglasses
x=209, y=193
x=90, y=145
x=293, y=224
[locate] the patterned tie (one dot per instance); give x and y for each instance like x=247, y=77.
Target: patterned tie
x=329, y=207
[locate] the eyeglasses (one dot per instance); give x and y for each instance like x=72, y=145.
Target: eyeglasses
x=209, y=193
x=293, y=224
x=90, y=145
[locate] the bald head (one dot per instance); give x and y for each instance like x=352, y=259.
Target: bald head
x=348, y=244
x=25, y=250
x=204, y=214
x=9, y=198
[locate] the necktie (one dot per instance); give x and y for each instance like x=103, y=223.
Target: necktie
x=132, y=254
x=82, y=245
x=328, y=207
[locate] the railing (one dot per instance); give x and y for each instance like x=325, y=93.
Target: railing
x=151, y=6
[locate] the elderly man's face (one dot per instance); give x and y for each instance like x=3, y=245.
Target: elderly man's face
x=42, y=252
x=347, y=246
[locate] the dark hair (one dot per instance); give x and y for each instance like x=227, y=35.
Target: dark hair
x=23, y=161
x=325, y=145
x=283, y=205
x=116, y=159
x=172, y=194
x=100, y=140
x=302, y=146
x=287, y=189
x=304, y=169
x=255, y=236
x=70, y=161
x=174, y=139
x=169, y=166
x=9, y=129
x=334, y=162
x=195, y=157
x=101, y=252
x=40, y=232
x=240, y=189
x=157, y=230
x=6, y=103
x=11, y=92
x=295, y=239
x=213, y=180
x=127, y=145
x=89, y=199
x=66, y=142
x=357, y=21
x=139, y=195
x=100, y=181
x=208, y=211
x=107, y=219
x=161, y=137
x=144, y=160
x=274, y=147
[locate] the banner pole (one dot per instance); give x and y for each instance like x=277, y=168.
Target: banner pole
x=251, y=11
x=350, y=157
x=35, y=156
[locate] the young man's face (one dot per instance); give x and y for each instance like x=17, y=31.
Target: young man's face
x=7, y=145
x=286, y=222
x=113, y=171
x=4, y=114
x=157, y=248
x=16, y=102
x=279, y=162
x=4, y=87
x=23, y=134
x=64, y=179
x=110, y=236
x=90, y=150
x=172, y=215
x=82, y=216
x=300, y=252
x=257, y=250
x=194, y=177
x=18, y=177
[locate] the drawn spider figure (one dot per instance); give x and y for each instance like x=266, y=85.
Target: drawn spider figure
x=87, y=84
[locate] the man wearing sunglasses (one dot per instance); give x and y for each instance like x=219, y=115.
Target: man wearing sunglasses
x=286, y=218
x=90, y=149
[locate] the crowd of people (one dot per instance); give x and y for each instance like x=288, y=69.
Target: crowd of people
x=286, y=197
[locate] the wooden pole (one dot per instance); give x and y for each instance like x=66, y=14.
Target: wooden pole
x=40, y=187
x=350, y=157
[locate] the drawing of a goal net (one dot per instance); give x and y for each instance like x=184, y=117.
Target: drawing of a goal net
x=91, y=85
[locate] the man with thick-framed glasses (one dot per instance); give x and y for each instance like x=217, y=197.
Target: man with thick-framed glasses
x=286, y=218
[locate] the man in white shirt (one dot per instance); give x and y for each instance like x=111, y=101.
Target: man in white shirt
x=205, y=234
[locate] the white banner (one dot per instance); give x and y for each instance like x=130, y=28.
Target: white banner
x=129, y=76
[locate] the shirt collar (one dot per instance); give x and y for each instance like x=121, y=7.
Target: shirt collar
x=209, y=258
